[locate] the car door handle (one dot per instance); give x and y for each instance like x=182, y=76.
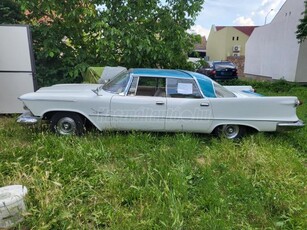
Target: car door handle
x=159, y=102
x=204, y=104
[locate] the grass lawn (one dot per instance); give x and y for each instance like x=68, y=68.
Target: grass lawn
x=136, y=180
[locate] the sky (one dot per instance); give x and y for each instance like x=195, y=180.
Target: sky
x=235, y=13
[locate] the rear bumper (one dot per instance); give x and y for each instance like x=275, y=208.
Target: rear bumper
x=290, y=125
x=221, y=78
x=27, y=118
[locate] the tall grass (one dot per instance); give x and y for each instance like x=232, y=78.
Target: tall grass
x=135, y=180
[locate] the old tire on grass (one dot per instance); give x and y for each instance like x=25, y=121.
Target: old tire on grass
x=67, y=123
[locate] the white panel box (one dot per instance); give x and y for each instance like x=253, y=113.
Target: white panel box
x=16, y=67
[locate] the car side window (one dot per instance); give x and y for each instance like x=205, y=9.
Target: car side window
x=132, y=89
x=147, y=86
x=182, y=88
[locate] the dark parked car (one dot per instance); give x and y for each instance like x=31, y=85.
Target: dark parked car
x=220, y=70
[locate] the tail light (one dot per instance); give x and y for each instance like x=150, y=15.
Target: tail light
x=213, y=72
x=298, y=102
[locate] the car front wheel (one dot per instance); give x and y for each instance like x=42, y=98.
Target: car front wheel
x=67, y=123
x=231, y=131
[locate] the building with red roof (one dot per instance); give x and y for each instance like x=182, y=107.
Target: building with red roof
x=225, y=41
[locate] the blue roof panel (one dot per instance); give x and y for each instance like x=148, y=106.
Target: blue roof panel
x=205, y=83
x=160, y=73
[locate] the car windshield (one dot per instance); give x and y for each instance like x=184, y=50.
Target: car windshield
x=118, y=84
x=221, y=91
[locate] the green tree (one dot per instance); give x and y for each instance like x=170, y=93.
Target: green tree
x=64, y=34
x=149, y=33
x=10, y=12
x=301, y=32
x=71, y=35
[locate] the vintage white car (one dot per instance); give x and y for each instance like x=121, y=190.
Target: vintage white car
x=159, y=100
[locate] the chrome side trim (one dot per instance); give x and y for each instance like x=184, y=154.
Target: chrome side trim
x=58, y=100
x=191, y=118
x=99, y=115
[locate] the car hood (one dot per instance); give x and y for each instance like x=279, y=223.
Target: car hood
x=61, y=92
x=68, y=88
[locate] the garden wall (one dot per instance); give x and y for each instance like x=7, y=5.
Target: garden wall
x=239, y=62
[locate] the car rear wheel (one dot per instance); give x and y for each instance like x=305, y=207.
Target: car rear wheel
x=66, y=123
x=231, y=131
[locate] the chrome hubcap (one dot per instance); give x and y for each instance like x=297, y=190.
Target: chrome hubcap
x=66, y=126
x=231, y=131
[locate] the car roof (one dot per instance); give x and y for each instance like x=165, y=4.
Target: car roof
x=205, y=83
x=222, y=62
x=160, y=73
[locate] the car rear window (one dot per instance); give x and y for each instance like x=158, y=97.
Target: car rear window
x=223, y=65
x=221, y=91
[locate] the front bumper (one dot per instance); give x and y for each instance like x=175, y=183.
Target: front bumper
x=28, y=118
x=290, y=125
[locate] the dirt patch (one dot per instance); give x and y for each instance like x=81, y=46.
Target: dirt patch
x=202, y=161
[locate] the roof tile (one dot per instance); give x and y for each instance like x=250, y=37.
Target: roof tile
x=248, y=30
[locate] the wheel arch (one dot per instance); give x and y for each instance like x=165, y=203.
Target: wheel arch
x=87, y=121
x=247, y=126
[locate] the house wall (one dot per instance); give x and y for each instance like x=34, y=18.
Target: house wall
x=239, y=62
x=301, y=73
x=235, y=34
x=216, y=44
x=220, y=43
x=272, y=50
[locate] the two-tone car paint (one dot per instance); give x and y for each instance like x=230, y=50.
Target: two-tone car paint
x=203, y=114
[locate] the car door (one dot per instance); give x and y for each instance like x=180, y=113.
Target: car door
x=143, y=107
x=187, y=109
